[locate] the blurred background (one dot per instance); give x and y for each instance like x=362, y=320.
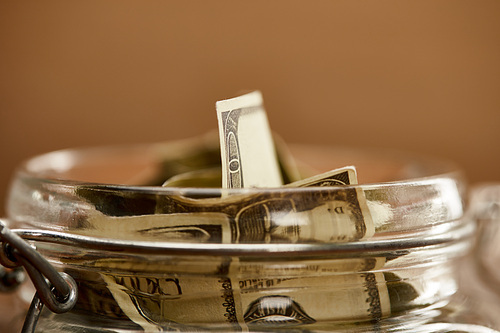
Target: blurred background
x=420, y=76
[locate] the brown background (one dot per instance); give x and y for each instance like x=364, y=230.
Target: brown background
x=421, y=76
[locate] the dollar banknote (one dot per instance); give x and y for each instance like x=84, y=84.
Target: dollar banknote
x=333, y=213
x=248, y=296
x=247, y=149
x=211, y=177
x=326, y=214
x=336, y=177
x=224, y=294
x=205, y=178
x=173, y=158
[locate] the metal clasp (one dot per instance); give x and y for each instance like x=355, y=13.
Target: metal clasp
x=56, y=290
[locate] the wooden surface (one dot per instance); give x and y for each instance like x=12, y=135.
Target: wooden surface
x=421, y=76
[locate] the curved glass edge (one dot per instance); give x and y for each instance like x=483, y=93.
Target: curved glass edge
x=394, y=208
x=386, y=210
x=485, y=209
x=448, y=234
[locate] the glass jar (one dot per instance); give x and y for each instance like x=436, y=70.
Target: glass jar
x=485, y=208
x=152, y=258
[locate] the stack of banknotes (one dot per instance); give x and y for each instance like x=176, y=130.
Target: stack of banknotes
x=246, y=295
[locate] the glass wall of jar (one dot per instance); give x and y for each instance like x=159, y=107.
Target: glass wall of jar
x=152, y=258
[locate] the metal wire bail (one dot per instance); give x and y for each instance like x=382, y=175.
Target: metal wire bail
x=56, y=290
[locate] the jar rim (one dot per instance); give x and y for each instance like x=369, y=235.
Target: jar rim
x=53, y=166
x=450, y=233
x=41, y=198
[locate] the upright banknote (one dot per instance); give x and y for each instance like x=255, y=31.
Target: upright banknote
x=247, y=148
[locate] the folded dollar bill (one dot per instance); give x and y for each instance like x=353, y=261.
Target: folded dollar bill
x=329, y=214
x=247, y=149
x=252, y=295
